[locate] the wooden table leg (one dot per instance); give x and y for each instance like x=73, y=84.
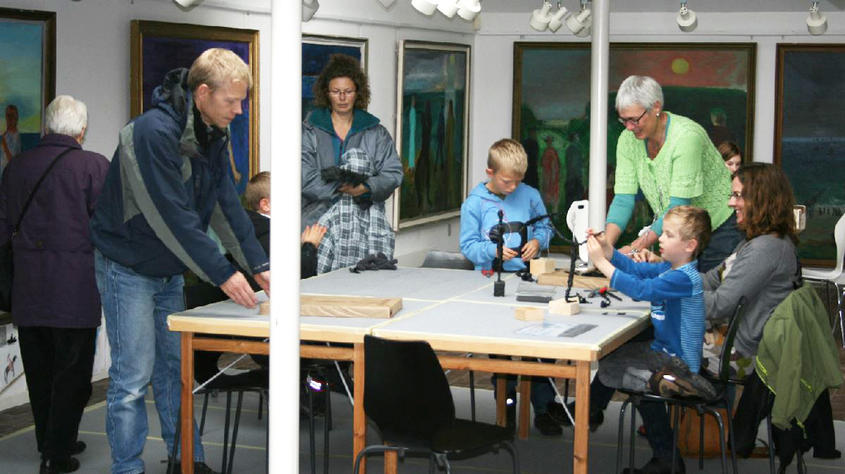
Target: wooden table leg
x=501, y=400
x=582, y=418
x=187, y=418
x=359, y=418
x=524, y=406
x=391, y=462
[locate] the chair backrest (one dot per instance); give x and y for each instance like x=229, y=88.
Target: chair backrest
x=839, y=238
x=406, y=392
x=441, y=259
x=727, y=346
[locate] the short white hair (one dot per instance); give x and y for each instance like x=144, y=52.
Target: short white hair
x=66, y=116
x=639, y=90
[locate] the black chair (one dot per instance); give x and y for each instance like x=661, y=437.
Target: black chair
x=702, y=405
x=407, y=396
x=453, y=261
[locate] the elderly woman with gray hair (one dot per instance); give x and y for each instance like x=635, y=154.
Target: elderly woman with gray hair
x=672, y=161
x=55, y=302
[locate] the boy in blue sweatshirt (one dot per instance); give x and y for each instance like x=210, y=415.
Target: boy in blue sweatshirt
x=519, y=202
x=677, y=314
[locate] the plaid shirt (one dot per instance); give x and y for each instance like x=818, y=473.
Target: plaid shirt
x=353, y=231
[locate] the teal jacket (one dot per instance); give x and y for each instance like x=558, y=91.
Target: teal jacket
x=797, y=358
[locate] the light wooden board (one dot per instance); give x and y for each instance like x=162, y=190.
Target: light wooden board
x=560, y=277
x=349, y=306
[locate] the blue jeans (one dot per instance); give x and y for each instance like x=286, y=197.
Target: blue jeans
x=143, y=350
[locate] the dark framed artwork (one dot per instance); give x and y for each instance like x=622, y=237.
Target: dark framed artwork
x=158, y=47
x=711, y=83
x=810, y=140
x=432, y=124
x=316, y=51
x=27, y=74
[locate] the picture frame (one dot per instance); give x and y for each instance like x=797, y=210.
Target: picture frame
x=29, y=40
x=551, y=94
x=809, y=144
x=316, y=51
x=157, y=47
x=433, y=88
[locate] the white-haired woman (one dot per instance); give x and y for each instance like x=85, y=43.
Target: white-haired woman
x=672, y=161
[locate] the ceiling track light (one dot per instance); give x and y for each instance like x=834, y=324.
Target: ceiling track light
x=426, y=7
x=469, y=9
x=540, y=17
x=816, y=22
x=185, y=4
x=448, y=7
x=309, y=8
x=687, y=20
x=581, y=23
x=558, y=17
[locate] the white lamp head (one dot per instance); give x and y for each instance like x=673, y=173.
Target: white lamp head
x=540, y=18
x=309, y=8
x=187, y=4
x=687, y=20
x=468, y=9
x=558, y=18
x=816, y=22
x=448, y=7
x=426, y=7
x=581, y=23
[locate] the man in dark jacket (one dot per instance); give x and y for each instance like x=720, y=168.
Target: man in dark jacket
x=55, y=303
x=168, y=181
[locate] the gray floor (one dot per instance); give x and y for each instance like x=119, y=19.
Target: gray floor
x=538, y=454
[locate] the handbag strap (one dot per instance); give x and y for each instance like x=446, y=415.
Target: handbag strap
x=37, y=185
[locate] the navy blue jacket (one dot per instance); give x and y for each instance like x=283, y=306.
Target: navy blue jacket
x=54, y=283
x=167, y=183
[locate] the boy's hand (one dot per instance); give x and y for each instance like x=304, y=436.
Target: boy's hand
x=646, y=255
x=530, y=249
x=595, y=250
x=606, y=246
x=353, y=191
x=508, y=253
x=313, y=234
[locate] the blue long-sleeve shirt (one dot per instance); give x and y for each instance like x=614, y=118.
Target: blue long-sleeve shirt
x=480, y=213
x=677, y=303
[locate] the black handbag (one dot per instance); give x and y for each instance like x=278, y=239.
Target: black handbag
x=7, y=265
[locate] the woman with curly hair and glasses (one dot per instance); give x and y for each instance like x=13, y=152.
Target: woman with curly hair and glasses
x=349, y=167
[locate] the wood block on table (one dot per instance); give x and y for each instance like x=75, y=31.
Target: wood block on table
x=348, y=306
x=264, y=308
x=529, y=313
x=542, y=265
x=561, y=306
x=560, y=278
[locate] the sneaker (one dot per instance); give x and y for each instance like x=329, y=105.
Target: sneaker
x=596, y=417
x=55, y=466
x=659, y=466
x=547, y=425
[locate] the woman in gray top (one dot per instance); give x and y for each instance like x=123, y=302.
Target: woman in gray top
x=764, y=267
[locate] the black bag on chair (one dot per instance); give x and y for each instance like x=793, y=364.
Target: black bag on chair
x=7, y=266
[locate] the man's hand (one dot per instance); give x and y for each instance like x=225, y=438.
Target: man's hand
x=530, y=249
x=237, y=288
x=263, y=280
x=353, y=191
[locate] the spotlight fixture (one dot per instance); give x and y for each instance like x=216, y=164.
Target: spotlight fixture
x=309, y=8
x=581, y=23
x=540, y=18
x=558, y=17
x=448, y=7
x=687, y=21
x=187, y=4
x=468, y=9
x=816, y=22
x=426, y=7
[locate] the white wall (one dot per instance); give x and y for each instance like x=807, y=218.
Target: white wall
x=92, y=64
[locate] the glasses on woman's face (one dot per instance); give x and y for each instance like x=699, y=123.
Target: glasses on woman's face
x=633, y=121
x=341, y=93
x=735, y=195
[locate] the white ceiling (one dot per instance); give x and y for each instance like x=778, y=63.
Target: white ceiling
x=503, y=6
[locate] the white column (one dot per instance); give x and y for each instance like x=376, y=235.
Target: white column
x=598, y=113
x=284, y=114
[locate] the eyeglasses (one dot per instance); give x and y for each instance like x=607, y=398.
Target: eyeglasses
x=735, y=195
x=338, y=93
x=632, y=121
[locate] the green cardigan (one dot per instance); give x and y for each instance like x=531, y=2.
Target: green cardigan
x=797, y=357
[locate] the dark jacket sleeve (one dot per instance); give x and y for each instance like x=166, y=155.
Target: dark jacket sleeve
x=308, y=260
x=388, y=167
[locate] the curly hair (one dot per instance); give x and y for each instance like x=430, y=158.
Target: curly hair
x=341, y=65
x=768, y=201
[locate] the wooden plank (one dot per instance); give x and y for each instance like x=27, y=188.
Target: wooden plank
x=349, y=306
x=560, y=278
